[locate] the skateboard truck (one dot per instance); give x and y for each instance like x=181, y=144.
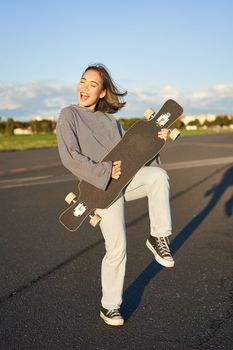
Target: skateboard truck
x=81, y=208
x=161, y=121
x=174, y=133
x=149, y=114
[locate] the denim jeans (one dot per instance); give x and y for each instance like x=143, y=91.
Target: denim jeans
x=151, y=182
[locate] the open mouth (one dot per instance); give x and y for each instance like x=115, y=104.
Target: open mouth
x=84, y=96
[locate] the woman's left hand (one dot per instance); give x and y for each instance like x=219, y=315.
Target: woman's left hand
x=163, y=134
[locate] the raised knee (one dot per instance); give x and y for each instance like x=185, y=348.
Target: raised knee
x=160, y=180
x=160, y=175
x=164, y=175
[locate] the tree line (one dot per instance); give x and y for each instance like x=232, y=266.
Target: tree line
x=127, y=123
x=48, y=126
x=36, y=126
x=220, y=121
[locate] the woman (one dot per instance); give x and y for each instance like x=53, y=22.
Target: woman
x=86, y=132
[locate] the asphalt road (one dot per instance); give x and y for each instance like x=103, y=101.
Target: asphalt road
x=50, y=278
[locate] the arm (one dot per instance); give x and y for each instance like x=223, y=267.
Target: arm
x=96, y=173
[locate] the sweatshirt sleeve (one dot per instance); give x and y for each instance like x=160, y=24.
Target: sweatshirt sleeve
x=96, y=173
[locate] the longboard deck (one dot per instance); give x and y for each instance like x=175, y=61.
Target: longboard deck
x=138, y=146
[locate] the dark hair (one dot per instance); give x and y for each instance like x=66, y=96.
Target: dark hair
x=113, y=101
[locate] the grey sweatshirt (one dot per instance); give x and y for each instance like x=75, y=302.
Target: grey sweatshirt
x=84, y=139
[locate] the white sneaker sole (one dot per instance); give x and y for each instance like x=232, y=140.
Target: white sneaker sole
x=161, y=261
x=110, y=321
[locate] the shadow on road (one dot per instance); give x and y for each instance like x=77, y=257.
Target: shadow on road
x=133, y=294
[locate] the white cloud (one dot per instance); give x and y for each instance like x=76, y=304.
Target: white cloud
x=216, y=93
x=142, y=95
x=218, y=98
x=7, y=103
x=54, y=102
x=47, y=98
x=170, y=92
x=23, y=101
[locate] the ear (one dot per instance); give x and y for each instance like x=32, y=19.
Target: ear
x=103, y=93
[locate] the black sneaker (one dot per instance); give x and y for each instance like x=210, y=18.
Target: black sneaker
x=159, y=246
x=112, y=317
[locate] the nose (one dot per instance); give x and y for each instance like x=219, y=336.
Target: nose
x=85, y=87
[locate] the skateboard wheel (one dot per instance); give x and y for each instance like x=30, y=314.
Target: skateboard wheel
x=149, y=114
x=174, y=134
x=95, y=219
x=70, y=198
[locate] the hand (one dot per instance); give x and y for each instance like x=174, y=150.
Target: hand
x=116, y=169
x=163, y=134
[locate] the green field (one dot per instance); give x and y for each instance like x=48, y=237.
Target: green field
x=209, y=131
x=26, y=142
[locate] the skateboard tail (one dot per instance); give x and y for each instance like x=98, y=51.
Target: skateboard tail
x=74, y=221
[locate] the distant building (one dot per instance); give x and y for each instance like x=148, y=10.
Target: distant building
x=191, y=127
x=201, y=117
x=39, y=118
x=20, y=131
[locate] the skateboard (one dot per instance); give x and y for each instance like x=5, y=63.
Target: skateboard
x=138, y=146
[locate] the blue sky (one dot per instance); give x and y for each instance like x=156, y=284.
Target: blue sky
x=154, y=49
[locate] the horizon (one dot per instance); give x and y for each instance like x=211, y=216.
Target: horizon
x=54, y=119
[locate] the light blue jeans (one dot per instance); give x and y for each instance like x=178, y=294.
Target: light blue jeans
x=149, y=181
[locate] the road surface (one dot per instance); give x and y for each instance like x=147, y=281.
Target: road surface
x=50, y=278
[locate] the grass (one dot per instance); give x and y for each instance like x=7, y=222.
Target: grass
x=209, y=131
x=27, y=142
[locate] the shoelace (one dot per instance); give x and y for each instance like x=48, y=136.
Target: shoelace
x=163, y=245
x=113, y=313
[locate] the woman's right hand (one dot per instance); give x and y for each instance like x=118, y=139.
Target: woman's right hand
x=116, y=169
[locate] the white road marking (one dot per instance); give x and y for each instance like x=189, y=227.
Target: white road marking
x=42, y=180
x=202, y=144
x=26, y=179
x=198, y=163
x=50, y=179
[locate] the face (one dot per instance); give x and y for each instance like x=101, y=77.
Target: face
x=90, y=89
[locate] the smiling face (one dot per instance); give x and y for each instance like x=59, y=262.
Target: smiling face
x=90, y=89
